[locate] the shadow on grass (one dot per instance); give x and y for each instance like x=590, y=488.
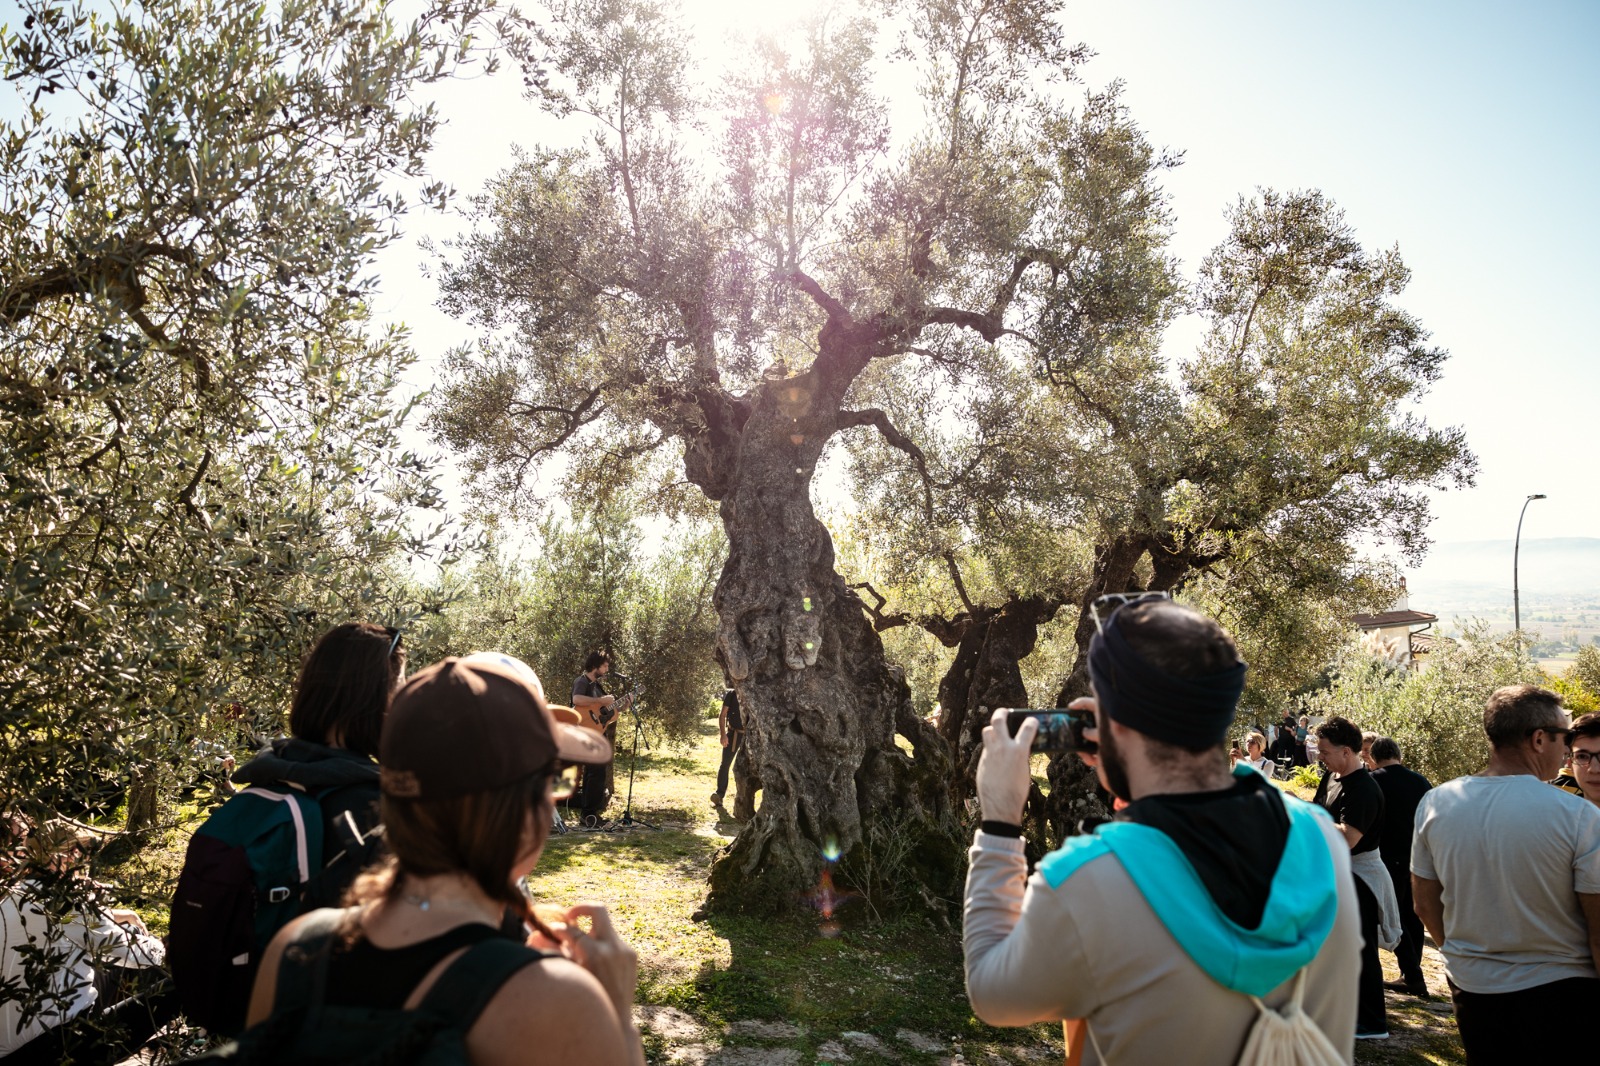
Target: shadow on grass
x=878, y=977
x=660, y=762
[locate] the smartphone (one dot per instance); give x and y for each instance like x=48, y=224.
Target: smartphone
x=1058, y=730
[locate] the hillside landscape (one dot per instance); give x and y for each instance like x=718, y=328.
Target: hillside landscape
x=1559, y=580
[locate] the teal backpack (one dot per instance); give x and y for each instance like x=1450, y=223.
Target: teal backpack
x=244, y=878
x=305, y=1029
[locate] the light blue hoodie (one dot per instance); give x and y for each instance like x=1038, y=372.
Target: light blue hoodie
x=1301, y=905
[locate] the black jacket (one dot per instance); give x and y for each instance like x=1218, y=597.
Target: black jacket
x=346, y=785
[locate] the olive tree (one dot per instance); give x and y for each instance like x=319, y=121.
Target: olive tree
x=198, y=417
x=1246, y=475
x=719, y=272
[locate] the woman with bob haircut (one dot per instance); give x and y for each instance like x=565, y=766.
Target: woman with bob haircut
x=470, y=754
x=335, y=723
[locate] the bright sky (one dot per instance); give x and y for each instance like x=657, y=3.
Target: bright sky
x=1462, y=131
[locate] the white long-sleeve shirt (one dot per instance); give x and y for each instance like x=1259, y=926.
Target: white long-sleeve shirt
x=74, y=947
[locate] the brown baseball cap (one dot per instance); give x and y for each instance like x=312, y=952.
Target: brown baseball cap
x=475, y=724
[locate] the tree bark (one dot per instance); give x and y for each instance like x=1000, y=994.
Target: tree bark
x=1075, y=792
x=986, y=674
x=821, y=703
x=144, y=799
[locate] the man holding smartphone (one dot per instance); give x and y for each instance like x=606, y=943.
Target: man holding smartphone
x=1209, y=897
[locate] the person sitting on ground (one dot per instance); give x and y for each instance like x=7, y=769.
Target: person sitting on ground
x=470, y=756
x=1355, y=801
x=1403, y=788
x=1505, y=871
x=67, y=954
x=1584, y=757
x=1164, y=929
x=335, y=723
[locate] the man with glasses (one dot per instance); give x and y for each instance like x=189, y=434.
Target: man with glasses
x=1586, y=757
x=1505, y=871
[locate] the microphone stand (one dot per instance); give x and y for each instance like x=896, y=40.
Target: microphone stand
x=628, y=821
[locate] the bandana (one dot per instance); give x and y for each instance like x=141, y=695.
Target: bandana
x=1192, y=713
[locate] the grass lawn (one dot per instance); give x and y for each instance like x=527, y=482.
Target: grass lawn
x=760, y=990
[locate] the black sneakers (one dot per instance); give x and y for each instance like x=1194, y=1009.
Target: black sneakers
x=1410, y=988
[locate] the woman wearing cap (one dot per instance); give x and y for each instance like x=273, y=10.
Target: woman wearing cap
x=470, y=753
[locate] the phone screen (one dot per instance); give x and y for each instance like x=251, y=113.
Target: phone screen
x=1058, y=730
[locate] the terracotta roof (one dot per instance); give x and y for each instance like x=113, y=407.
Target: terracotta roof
x=1389, y=619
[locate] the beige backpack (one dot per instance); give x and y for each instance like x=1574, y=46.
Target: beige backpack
x=1286, y=1037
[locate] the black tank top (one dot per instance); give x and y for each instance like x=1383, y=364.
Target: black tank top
x=365, y=975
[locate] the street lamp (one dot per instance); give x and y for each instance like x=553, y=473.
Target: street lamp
x=1516, y=549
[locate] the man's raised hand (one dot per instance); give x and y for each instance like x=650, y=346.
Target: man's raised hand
x=1003, y=772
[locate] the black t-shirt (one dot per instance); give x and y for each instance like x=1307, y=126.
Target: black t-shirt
x=730, y=700
x=1403, y=788
x=1356, y=800
x=582, y=685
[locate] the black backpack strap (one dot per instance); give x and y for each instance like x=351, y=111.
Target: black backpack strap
x=303, y=966
x=469, y=983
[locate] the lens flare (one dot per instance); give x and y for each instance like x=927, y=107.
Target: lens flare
x=826, y=898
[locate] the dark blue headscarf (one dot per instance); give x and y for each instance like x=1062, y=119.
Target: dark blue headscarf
x=1193, y=712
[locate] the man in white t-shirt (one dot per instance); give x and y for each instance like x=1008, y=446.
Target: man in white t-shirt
x=1505, y=871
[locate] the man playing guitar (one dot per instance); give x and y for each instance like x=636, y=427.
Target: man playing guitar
x=599, y=710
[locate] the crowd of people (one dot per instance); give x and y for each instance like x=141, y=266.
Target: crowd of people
x=396, y=824
x=1213, y=913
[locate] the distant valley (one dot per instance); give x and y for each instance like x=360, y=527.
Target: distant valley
x=1560, y=583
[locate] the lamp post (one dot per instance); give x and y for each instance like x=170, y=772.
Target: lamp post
x=1516, y=550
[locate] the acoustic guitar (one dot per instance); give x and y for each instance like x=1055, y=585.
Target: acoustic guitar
x=598, y=718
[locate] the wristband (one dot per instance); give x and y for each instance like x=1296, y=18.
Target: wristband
x=1001, y=829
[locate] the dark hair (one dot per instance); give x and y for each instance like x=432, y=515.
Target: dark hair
x=1177, y=640
x=594, y=661
x=1515, y=709
x=479, y=834
x=344, y=687
x=1384, y=749
x=1341, y=731
x=1586, y=726
x=1180, y=641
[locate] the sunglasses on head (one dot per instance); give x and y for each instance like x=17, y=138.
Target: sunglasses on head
x=394, y=638
x=1103, y=607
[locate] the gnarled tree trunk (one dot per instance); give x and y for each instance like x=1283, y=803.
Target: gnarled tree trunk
x=986, y=674
x=1074, y=788
x=821, y=703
